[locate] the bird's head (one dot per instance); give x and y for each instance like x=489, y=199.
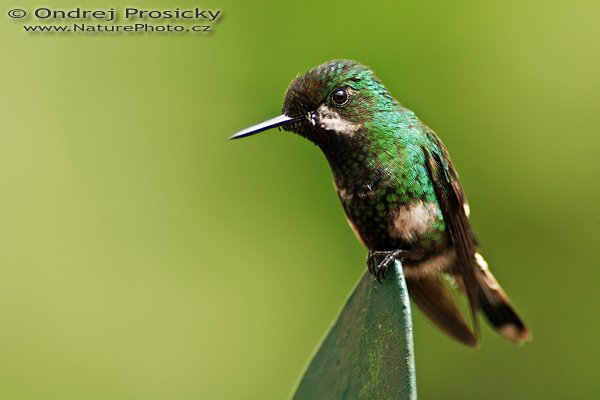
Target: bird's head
x=329, y=103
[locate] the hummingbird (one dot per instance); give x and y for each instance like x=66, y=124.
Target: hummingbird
x=400, y=193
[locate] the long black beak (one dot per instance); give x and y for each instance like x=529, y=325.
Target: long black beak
x=263, y=126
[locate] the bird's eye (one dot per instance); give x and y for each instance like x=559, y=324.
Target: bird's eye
x=340, y=97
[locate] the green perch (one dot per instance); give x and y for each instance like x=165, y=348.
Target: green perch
x=368, y=352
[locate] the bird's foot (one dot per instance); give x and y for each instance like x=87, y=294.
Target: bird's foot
x=379, y=261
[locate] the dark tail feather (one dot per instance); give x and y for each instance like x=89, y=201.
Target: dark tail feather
x=436, y=301
x=496, y=306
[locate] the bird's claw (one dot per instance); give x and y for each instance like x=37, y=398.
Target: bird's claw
x=378, y=268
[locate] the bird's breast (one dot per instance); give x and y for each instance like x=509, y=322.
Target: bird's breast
x=382, y=219
x=412, y=221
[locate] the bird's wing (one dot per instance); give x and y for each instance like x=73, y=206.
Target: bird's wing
x=452, y=202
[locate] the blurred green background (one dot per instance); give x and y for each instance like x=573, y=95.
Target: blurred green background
x=145, y=257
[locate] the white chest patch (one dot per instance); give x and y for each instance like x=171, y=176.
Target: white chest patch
x=411, y=221
x=330, y=120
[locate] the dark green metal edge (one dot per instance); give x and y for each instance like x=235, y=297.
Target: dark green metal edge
x=368, y=353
